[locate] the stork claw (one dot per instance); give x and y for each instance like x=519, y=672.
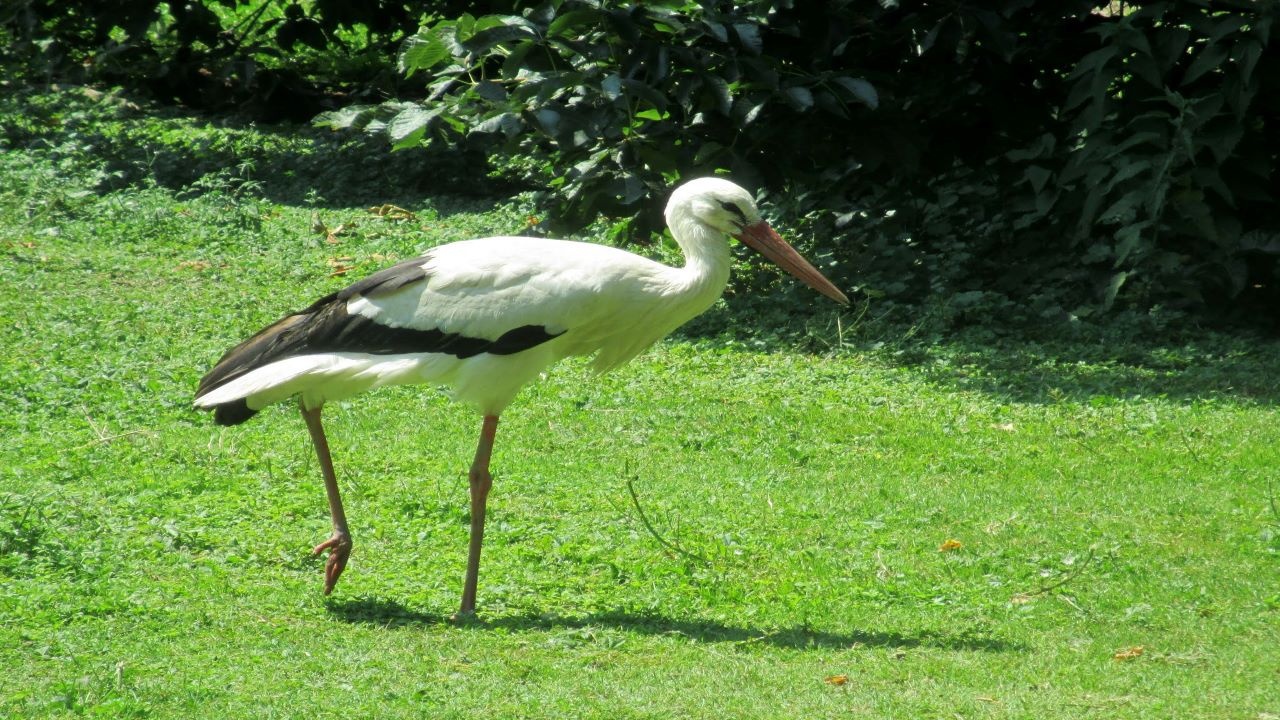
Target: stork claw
x=339, y=547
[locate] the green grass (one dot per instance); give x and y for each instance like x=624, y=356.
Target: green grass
x=1106, y=494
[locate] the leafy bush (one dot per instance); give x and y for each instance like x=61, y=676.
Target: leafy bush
x=1053, y=160
x=1161, y=182
x=281, y=60
x=619, y=102
x=1010, y=159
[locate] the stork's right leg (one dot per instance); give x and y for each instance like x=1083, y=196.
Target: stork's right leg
x=481, y=481
x=338, y=544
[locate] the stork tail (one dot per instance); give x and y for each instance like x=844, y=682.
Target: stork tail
x=265, y=346
x=233, y=413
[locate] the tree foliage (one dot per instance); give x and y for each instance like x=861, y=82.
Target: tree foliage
x=1057, y=159
x=277, y=58
x=1053, y=160
x=620, y=101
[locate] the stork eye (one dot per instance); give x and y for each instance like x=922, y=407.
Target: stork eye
x=734, y=210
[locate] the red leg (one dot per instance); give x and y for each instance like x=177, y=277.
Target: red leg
x=338, y=544
x=481, y=481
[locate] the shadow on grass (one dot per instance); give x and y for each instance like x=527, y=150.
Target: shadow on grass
x=1094, y=364
x=1207, y=369
x=141, y=143
x=389, y=613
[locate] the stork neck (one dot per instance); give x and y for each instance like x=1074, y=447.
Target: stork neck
x=706, y=255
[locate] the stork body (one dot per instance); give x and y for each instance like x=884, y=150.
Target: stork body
x=484, y=317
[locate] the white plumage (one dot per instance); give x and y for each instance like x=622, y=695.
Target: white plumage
x=484, y=317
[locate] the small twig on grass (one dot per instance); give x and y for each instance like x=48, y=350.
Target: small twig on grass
x=1024, y=597
x=1186, y=443
x=635, y=500
x=757, y=638
x=102, y=440
x=101, y=433
x=1271, y=500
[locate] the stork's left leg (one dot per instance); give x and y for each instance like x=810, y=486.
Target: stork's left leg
x=339, y=543
x=481, y=481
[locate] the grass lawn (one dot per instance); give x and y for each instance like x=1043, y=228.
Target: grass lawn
x=888, y=529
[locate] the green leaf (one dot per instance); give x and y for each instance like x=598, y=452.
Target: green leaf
x=454, y=123
x=1211, y=178
x=1041, y=147
x=1128, y=169
x=652, y=114
x=716, y=30
x=507, y=123
x=861, y=90
x=515, y=61
x=1222, y=138
x=1089, y=209
x=1144, y=66
x=1094, y=62
x=707, y=152
x=573, y=20
x=1208, y=59
x=409, y=125
x=830, y=104
x=488, y=38
x=491, y=91
x=1081, y=91
x=1113, y=289
x=1170, y=46
x=638, y=89
x=422, y=51
x=453, y=32
x=1124, y=208
x=1037, y=176
x=1128, y=239
x=549, y=120
x=355, y=116
x=749, y=36
x=667, y=22
x=632, y=190
x=1228, y=24
x=800, y=98
x=611, y=86
x=1246, y=54
x=1154, y=139
x=720, y=90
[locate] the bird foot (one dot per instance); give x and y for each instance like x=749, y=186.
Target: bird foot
x=339, y=547
x=464, y=617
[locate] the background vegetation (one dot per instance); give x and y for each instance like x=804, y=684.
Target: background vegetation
x=1033, y=162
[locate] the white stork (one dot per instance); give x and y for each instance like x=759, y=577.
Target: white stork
x=484, y=317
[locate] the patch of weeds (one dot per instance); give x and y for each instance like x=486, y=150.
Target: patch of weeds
x=105, y=695
x=30, y=537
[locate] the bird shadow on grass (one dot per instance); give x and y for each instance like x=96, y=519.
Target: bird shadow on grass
x=393, y=614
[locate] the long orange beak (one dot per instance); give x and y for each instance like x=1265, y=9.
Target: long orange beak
x=765, y=240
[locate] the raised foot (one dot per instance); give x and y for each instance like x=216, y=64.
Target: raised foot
x=339, y=547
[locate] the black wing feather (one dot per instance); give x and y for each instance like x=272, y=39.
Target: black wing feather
x=326, y=326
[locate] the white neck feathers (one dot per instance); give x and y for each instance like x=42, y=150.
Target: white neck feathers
x=706, y=254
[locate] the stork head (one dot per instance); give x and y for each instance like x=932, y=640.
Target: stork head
x=717, y=203
x=727, y=208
